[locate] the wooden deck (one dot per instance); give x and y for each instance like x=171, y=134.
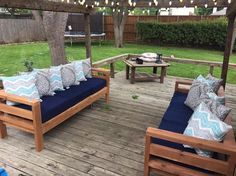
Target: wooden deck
x=101, y=140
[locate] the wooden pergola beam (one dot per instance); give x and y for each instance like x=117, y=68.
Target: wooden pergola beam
x=165, y=3
x=228, y=46
x=231, y=11
x=45, y=5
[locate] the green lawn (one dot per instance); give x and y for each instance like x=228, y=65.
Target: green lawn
x=13, y=56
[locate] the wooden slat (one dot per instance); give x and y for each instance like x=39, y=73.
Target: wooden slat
x=191, y=141
x=173, y=169
x=19, y=99
x=73, y=110
x=17, y=122
x=189, y=158
x=16, y=111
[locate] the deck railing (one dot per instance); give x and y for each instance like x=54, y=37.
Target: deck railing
x=112, y=60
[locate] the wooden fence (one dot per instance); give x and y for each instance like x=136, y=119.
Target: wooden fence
x=130, y=33
x=20, y=30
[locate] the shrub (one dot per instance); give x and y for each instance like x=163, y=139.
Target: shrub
x=211, y=34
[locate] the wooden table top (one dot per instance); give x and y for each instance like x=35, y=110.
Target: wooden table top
x=145, y=64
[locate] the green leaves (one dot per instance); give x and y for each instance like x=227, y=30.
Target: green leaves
x=209, y=34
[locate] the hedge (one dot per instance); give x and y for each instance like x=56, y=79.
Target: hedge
x=210, y=34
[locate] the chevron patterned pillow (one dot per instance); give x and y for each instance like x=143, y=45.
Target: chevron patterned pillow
x=205, y=125
x=23, y=85
x=87, y=68
x=79, y=73
x=56, y=79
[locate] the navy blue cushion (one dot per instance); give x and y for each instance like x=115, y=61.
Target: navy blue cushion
x=175, y=120
x=177, y=111
x=52, y=106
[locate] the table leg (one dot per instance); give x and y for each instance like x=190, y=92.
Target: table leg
x=155, y=70
x=132, y=80
x=127, y=72
x=163, y=72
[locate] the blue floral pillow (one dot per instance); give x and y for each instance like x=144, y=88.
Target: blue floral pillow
x=205, y=125
x=23, y=85
x=211, y=81
x=216, y=98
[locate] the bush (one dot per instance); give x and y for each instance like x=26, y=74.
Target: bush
x=211, y=34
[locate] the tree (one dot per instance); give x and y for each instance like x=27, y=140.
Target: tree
x=120, y=16
x=54, y=24
x=203, y=11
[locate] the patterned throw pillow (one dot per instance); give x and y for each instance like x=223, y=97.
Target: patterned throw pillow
x=79, y=73
x=218, y=109
x=205, y=125
x=216, y=83
x=216, y=98
x=55, y=79
x=43, y=82
x=211, y=81
x=197, y=93
x=87, y=68
x=68, y=76
x=23, y=85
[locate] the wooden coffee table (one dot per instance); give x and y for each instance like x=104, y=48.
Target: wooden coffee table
x=144, y=76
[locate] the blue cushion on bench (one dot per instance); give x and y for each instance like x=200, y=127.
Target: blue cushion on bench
x=177, y=111
x=176, y=120
x=52, y=106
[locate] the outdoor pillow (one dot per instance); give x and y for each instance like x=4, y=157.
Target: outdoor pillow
x=56, y=79
x=43, y=82
x=87, y=68
x=23, y=85
x=216, y=83
x=205, y=125
x=216, y=98
x=3, y=172
x=68, y=76
x=197, y=93
x=217, y=109
x=79, y=73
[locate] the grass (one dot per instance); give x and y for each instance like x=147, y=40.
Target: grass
x=13, y=56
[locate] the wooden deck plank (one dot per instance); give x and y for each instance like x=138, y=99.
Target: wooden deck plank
x=104, y=140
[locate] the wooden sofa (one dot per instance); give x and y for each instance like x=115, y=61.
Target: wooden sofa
x=165, y=153
x=32, y=117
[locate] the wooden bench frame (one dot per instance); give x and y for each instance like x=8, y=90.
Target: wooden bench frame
x=224, y=166
x=30, y=121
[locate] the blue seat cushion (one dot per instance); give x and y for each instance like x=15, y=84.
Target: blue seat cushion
x=52, y=106
x=177, y=111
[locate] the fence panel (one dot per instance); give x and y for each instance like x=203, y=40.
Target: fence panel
x=130, y=33
x=20, y=30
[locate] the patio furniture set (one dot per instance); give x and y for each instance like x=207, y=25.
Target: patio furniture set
x=39, y=101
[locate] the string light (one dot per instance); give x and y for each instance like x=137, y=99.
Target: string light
x=170, y=3
x=191, y=1
x=181, y=1
x=206, y=5
x=229, y=1
x=150, y=3
x=112, y=3
x=106, y=1
x=215, y=3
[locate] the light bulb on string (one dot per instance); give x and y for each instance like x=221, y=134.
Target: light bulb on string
x=150, y=3
x=170, y=3
x=195, y=7
x=181, y=1
x=206, y=5
x=106, y=1
x=134, y=4
x=229, y=1
x=112, y=3
x=215, y=3
x=191, y=1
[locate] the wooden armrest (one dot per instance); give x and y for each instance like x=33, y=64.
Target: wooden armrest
x=183, y=82
x=101, y=70
x=18, y=99
x=191, y=141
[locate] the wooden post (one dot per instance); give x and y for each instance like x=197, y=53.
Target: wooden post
x=228, y=46
x=87, y=36
x=211, y=70
x=112, y=69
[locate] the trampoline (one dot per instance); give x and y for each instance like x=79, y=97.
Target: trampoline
x=75, y=28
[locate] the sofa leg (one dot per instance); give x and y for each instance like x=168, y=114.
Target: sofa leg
x=38, y=138
x=107, y=97
x=3, y=130
x=146, y=170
